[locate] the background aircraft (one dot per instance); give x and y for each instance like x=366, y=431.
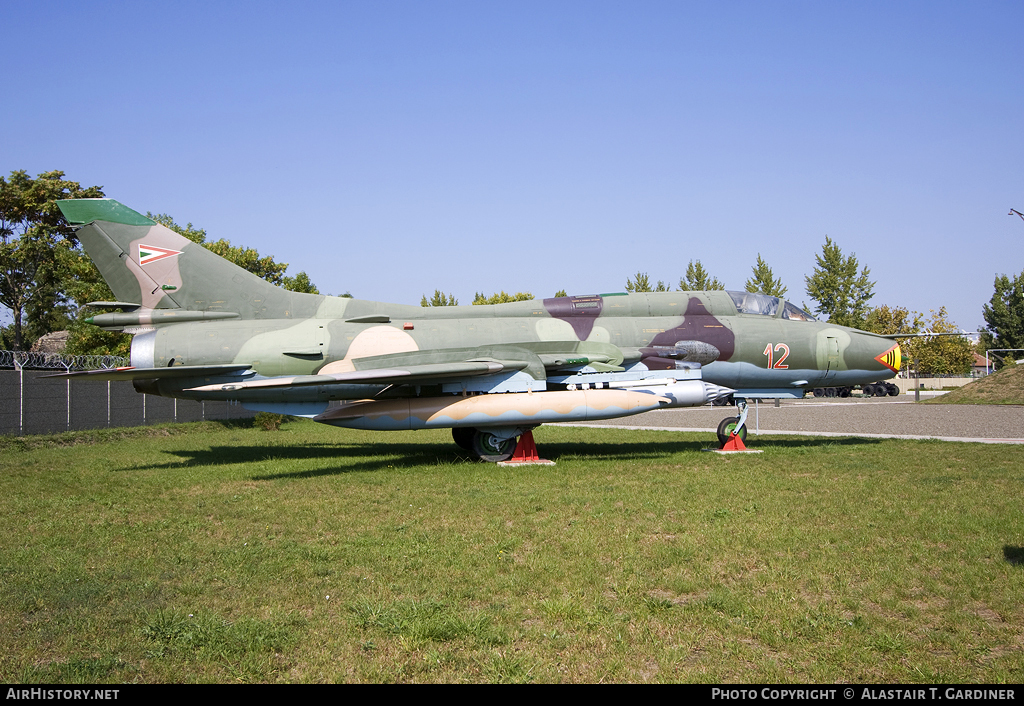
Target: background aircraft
x=207, y=329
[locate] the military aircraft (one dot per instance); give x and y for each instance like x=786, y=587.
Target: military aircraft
x=205, y=329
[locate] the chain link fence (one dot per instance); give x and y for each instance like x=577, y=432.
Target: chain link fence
x=33, y=404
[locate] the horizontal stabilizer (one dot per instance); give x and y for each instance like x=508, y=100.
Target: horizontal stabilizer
x=176, y=371
x=150, y=317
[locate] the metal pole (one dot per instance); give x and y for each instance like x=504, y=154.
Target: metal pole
x=108, y=403
x=67, y=369
x=21, y=396
x=917, y=384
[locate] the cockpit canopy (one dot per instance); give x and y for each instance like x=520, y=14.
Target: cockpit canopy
x=764, y=305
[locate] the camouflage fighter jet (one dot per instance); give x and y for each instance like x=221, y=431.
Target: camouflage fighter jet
x=205, y=329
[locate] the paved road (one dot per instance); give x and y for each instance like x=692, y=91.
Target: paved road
x=873, y=417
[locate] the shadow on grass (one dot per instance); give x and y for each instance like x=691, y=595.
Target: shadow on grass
x=363, y=457
x=1014, y=555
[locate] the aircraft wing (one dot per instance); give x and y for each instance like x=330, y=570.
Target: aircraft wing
x=529, y=361
x=492, y=368
x=410, y=374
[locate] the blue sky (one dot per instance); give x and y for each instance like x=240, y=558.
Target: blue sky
x=393, y=148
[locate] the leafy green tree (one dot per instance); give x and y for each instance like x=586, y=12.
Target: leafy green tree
x=501, y=297
x=300, y=283
x=764, y=280
x=35, y=242
x=941, y=355
x=698, y=279
x=1004, y=316
x=640, y=282
x=439, y=299
x=560, y=293
x=840, y=292
x=888, y=320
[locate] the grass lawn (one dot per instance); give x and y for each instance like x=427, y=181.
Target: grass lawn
x=1003, y=387
x=217, y=553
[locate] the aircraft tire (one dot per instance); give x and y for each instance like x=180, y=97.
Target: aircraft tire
x=867, y=390
x=463, y=437
x=844, y=392
x=893, y=390
x=881, y=390
x=489, y=449
x=726, y=428
x=819, y=392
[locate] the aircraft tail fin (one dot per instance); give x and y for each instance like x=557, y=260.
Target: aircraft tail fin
x=149, y=264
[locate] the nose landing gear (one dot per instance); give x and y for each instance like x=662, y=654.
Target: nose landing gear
x=732, y=431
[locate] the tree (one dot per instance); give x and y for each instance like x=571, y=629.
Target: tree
x=560, y=293
x=640, y=282
x=35, y=241
x=938, y=355
x=1004, y=315
x=764, y=281
x=439, y=299
x=698, y=279
x=300, y=283
x=942, y=355
x=840, y=292
x=887, y=320
x=501, y=297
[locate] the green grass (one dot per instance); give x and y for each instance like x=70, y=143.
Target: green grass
x=1003, y=387
x=220, y=553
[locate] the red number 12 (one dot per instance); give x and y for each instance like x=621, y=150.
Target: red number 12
x=785, y=354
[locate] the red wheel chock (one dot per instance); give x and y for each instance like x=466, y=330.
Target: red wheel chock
x=526, y=453
x=735, y=443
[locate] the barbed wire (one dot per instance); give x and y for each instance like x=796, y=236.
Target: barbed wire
x=34, y=360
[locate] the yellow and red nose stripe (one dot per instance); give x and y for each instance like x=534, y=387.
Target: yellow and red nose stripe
x=891, y=358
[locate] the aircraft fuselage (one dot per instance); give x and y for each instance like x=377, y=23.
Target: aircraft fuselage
x=755, y=352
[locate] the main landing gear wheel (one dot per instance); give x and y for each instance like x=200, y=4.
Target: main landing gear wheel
x=727, y=427
x=463, y=436
x=491, y=449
